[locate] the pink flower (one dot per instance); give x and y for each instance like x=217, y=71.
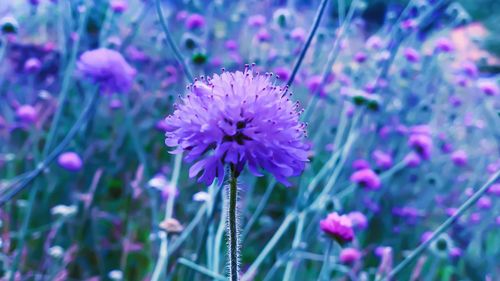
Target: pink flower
x=70, y=161
x=350, y=255
x=338, y=227
x=366, y=178
x=459, y=158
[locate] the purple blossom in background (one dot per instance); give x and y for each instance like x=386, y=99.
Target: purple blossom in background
x=350, y=255
x=444, y=45
x=360, y=164
x=108, y=68
x=383, y=160
x=411, y=55
x=422, y=143
x=119, y=6
x=494, y=189
x=358, y=219
x=338, y=227
x=366, y=178
x=32, y=65
x=412, y=159
x=26, y=114
x=195, y=21
x=70, y=161
x=238, y=118
x=459, y=158
x=489, y=88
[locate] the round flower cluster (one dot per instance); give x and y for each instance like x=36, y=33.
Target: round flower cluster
x=338, y=227
x=238, y=118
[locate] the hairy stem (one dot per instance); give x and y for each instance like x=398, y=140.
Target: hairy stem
x=232, y=234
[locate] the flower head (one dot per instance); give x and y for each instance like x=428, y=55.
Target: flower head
x=26, y=114
x=350, y=255
x=238, y=118
x=366, y=178
x=338, y=227
x=358, y=219
x=70, y=161
x=195, y=21
x=108, y=68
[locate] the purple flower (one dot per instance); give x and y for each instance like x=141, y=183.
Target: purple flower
x=358, y=219
x=489, y=88
x=366, y=178
x=422, y=143
x=411, y=55
x=314, y=85
x=360, y=164
x=412, y=159
x=298, y=34
x=494, y=189
x=119, y=6
x=231, y=45
x=383, y=160
x=444, y=45
x=108, y=68
x=282, y=73
x=238, y=118
x=70, y=161
x=360, y=57
x=350, y=255
x=338, y=227
x=459, y=158
x=256, y=20
x=32, y=65
x=425, y=236
x=455, y=253
x=484, y=203
x=263, y=35
x=470, y=69
x=26, y=114
x=195, y=21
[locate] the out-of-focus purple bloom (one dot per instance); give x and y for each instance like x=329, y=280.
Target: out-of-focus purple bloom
x=32, y=65
x=360, y=164
x=484, y=203
x=256, y=20
x=119, y=6
x=425, y=236
x=137, y=55
x=455, y=101
x=374, y=42
x=282, y=73
x=411, y=55
x=412, y=159
x=366, y=178
x=455, y=253
x=360, y=57
x=314, y=85
x=422, y=143
x=26, y=114
x=494, y=189
x=238, y=118
x=475, y=218
x=70, y=161
x=350, y=255
x=497, y=220
x=34, y=2
x=408, y=213
x=383, y=160
x=263, y=35
x=108, y=68
x=231, y=45
x=161, y=183
x=298, y=34
x=338, y=227
x=459, y=158
x=358, y=219
x=444, y=45
x=115, y=104
x=181, y=15
x=469, y=191
x=195, y=21
x=408, y=24
x=451, y=211
x=489, y=88
x=470, y=69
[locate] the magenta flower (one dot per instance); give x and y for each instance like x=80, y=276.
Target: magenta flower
x=412, y=159
x=108, y=68
x=256, y=20
x=484, y=203
x=350, y=255
x=119, y=6
x=70, y=161
x=238, y=118
x=489, y=88
x=494, y=189
x=298, y=34
x=360, y=57
x=411, y=55
x=383, y=160
x=195, y=21
x=444, y=45
x=366, y=178
x=358, y=219
x=32, y=65
x=459, y=158
x=338, y=227
x=26, y=114
x=360, y=164
x=422, y=143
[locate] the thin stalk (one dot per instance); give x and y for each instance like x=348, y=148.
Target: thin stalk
x=295, y=244
x=171, y=43
x=465, y=206
x=232, y=234
x=201, y=269
x=312, y=32
x=325, y=269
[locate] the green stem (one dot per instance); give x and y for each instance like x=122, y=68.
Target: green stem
x=232, y=234
x=325, y=269
x=465, y=206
